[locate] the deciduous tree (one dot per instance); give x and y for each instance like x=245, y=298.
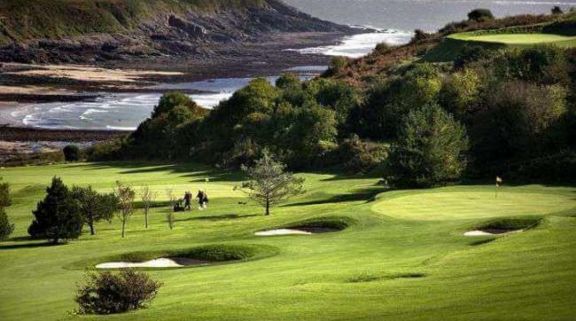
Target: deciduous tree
x=269, y=183
x=125, y=195
x=93, y=206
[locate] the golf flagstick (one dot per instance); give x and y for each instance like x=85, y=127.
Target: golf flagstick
x=499, y=182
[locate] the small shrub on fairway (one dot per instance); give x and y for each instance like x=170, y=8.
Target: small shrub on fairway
x=109, y=293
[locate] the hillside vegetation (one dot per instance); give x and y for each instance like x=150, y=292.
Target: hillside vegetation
x=37, y=19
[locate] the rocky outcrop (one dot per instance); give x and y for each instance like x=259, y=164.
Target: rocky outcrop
x=125, y=32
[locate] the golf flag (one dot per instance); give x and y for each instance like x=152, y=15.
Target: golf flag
x=499, y=182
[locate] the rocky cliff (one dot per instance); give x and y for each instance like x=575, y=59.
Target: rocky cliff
x=81, y=31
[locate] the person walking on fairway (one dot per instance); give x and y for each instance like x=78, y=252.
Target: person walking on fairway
x=202, y=200
x=188, y=201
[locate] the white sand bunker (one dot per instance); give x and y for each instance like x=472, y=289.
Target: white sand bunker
x=490, y=233
x=155, y=263
x=282, y=231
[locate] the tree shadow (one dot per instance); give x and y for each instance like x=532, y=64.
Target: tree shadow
x=366, y=195
x=198, y=172
x=216, y=217
x=28, y=245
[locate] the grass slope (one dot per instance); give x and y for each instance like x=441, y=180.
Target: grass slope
x=403, y=258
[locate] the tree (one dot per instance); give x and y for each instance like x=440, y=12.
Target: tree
x=460, y=92
x=5, y=200
x=556, y=10
x=148, y=197
x=518, y=119
x=71, y=153
x=108, y=293
x=480, y=15
x=171, y=100
x=420, y=35
x=125, y=195
x=94, y=207
x=269, y=183
x=288, y=80
x=5, y=227
x=57, y=217
x=387, y=103
x=429, y=151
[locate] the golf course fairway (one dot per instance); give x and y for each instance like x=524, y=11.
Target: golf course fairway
x=402, y=257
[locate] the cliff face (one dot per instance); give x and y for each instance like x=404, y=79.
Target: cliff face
x=57, y=31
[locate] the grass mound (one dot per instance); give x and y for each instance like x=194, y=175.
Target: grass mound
x=506, y=225
x=323, y=224
x=215, y=253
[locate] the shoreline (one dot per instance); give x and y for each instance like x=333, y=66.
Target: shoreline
x=31, y=134
x=23, y=82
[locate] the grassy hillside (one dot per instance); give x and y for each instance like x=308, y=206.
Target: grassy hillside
x=31, y=19
x=404, y=258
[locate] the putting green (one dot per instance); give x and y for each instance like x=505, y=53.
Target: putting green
x=515, y=38
x=472, y=204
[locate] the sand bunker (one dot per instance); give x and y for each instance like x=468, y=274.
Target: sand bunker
x=490, y=232
x=282, y=231
x=174, y=262
x=296, y=231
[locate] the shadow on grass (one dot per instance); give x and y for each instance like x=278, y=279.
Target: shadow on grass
x=197, y=172
x=28, y=246
x=366, y=195
x=216, y=217
x=481, y=242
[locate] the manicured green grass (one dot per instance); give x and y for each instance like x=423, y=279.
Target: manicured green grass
x=402, y=257
x=452, y=45
x=516, y=38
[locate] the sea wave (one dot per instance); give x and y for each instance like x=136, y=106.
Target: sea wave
x=360, y=45
x=109, y=127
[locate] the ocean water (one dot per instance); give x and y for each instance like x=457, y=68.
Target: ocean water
x=407, y=15
x=394, y=21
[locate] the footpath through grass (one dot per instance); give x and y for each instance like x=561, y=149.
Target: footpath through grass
x=405, y=258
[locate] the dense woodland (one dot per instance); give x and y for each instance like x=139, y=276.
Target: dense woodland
x=508, y=112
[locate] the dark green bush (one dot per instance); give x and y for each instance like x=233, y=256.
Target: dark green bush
x=558, y=167
x=430, y=150
x=109, y=293
x=105, y=151
x=357, y=156
x=57, y=217
x=480, y=15
x=6, y=228
x=71, y=153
